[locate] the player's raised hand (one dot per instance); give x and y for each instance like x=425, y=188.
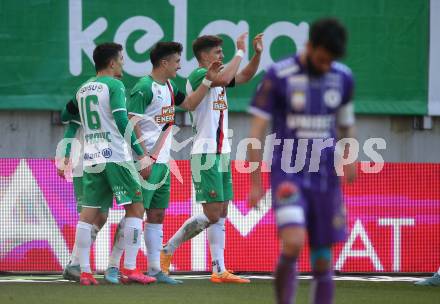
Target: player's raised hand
x=213, y=70
x=241, y=42
x=258, y=43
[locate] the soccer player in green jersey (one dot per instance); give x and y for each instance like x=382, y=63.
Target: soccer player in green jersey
x=210, y=159
x=152, y=103
x=70, y=162
x=108, y=165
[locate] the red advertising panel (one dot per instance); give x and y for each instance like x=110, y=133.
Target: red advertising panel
x=393, y=222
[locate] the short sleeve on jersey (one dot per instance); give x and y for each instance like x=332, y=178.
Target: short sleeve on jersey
x=140, y=97
x=117, y=95
x=70, y=113
x=263, y=102
x=196, y=77
x=348, y=89
x=231, y=84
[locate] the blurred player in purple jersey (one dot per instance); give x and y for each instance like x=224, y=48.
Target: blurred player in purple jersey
x=307, y=99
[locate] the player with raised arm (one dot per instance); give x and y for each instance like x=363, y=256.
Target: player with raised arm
x=108, y=165
x=210, y=155
x=152, y=101
x=307, y=98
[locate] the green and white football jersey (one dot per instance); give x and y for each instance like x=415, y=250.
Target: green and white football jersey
x=153, y=101
x=210, y=118
x=97, y=100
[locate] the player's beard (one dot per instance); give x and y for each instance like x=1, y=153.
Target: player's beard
x=311, y=68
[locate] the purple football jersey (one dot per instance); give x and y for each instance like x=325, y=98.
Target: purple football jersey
x=303, y=111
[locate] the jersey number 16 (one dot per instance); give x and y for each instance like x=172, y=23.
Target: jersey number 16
x=92, y=117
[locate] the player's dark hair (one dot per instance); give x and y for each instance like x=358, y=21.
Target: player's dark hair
x=204, y=43
x=104, y=53
x=162, y=50
x=330, y=34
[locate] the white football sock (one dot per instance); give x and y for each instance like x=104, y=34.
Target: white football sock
x=74, y=258
x=153, y=236
x=438, y=271
x=94, y=232
x=118, y=246
x=132, y=241
x=83, y=241
x=216, y=238
x=192, y=227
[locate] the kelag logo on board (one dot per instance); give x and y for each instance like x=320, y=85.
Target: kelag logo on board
x=82, y=36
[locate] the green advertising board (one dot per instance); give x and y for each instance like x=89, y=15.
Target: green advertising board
x=47, y=45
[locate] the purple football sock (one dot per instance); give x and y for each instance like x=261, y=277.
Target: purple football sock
x=323, y=287
x=285, y=279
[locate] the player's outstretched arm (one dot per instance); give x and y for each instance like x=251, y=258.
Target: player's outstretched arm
x=230, y=71
x=258, y=130
x=193, y=100
x=249, y=71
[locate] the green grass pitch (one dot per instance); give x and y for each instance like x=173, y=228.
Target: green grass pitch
x=202, y=291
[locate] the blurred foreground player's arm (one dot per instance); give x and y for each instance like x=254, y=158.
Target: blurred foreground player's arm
x=345, y=120
x=261, y=110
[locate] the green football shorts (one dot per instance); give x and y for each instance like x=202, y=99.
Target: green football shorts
x=156, y=190
x=120, y=180
x=79, y=196
x=212, y=177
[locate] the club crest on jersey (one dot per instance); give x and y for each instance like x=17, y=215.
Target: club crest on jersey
x=298, y=100
x=332, y=98
x=220, y=104
x=166, y=116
